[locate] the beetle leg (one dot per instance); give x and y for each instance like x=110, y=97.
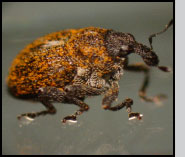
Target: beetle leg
x=141, y=67
x=155, y=34
x=111, y=96
x=46, y=95
x=75, y=94
x=83, y=107
x=50, y=110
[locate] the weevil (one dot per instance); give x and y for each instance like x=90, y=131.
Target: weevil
x=70, y=65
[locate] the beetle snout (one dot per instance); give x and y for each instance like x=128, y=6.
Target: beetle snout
x=151, y=58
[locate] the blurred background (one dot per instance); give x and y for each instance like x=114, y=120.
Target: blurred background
x=97, y=131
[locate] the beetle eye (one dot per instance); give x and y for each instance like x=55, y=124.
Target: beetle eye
x=125, y=47
x=125, y=50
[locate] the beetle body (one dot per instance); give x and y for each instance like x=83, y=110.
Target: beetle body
x=54, y=60
x=69, y=65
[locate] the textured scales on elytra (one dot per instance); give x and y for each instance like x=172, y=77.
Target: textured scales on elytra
x=70, y=65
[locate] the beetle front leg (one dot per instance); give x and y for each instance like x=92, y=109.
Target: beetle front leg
x=141, y=67
x=111, y=96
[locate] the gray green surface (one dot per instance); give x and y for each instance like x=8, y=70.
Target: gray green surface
x=97, y=131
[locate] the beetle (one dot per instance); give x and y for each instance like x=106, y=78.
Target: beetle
x=70, y=65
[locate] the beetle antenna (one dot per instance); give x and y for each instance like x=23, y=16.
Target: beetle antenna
x=155, y=34
x=163, y=68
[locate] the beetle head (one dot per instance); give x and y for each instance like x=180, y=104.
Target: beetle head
x=122, y=44
x=119, y=44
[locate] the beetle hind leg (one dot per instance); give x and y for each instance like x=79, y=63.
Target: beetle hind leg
x=50, y=110
x=45, y=96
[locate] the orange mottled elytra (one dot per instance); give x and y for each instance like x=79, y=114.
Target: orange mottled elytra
x=52, y=60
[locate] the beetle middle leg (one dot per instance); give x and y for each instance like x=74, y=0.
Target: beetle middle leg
x=141, y=67
x=83, y=107
x=111, y=95
x=84, y=84
x=75, y=94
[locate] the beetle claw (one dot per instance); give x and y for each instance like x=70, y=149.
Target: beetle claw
x=71, y=119
x=134, y=115
x=28, y=116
